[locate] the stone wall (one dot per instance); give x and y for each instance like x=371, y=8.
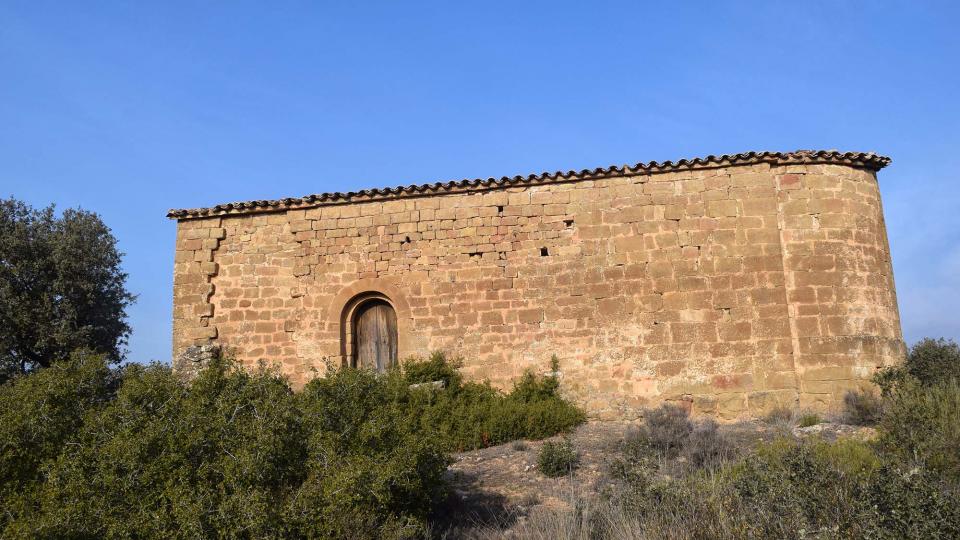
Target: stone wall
x=729, y=287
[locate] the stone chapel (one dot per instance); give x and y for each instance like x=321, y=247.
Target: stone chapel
x=728, y=283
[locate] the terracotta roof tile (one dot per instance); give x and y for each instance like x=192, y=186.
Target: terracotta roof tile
x=865, y=160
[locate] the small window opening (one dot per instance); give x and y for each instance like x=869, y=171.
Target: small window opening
x=500, y=210
x=406, y=240
x=475, y=254
x=544, y=252
x=568, y=223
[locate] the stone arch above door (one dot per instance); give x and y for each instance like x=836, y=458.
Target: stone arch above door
x=343, y=310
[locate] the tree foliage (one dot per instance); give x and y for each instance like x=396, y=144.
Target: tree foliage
x=928, y=363
x=61, y=287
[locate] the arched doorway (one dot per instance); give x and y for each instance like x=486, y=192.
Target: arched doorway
x=374, y=333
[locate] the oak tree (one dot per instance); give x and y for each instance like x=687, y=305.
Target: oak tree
x=61, y=287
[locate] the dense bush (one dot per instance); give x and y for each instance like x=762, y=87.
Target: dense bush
x=557, y=458
x=921, y=420
x=922, y=426
x=39, y=415
x=787, y=487
x=839, y=490
x=234, y=454
x=470, y=415
x=930, y=362
x=86, y=451
x=435, y=368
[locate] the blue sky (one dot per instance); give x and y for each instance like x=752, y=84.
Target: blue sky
x=131, y=108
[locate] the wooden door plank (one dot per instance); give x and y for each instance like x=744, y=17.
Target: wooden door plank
x=376, y=337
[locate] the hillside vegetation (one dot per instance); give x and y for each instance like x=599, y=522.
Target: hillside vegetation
x=87, y=451
x=674, y=478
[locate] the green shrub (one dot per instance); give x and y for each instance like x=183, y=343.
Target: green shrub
x=436, y=368
x=840, y=489
x=468, y=415
x=557, y=458
x=367, y=455
x=237, y=454
x=911, y=504
x=849, y=456
x=40, y=414
x=531, y=388
x=862, y=407
x=787, y=489
x=808, y=419
x=930, y=362
x=922, y=425
x=933, y=361
x=90, y=452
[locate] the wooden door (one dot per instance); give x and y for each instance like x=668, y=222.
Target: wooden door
x=375, y=336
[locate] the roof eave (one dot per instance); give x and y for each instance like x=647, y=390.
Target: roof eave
x=863, y=160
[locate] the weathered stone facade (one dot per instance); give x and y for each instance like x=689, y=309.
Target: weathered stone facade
x=731, y=283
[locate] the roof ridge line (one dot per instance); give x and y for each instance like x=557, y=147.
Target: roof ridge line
x=865, y=160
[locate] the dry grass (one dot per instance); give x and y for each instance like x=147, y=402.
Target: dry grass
x=582, y=516
x=862, y=407
x=781, y=419
x=586, y=516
